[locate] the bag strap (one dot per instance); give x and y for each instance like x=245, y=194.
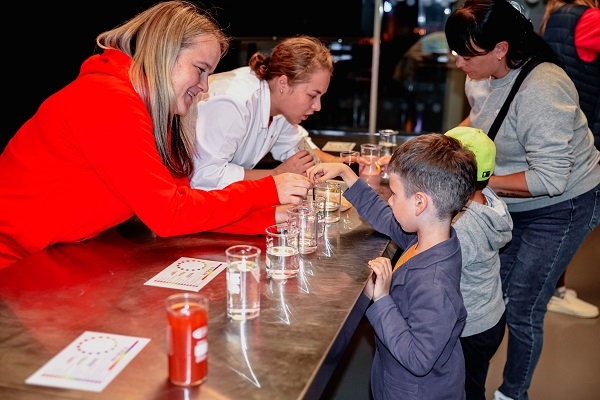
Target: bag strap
x=525, y=70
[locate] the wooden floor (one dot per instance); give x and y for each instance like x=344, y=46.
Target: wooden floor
x=569, y=367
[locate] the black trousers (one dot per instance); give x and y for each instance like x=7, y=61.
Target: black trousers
x=479, y=350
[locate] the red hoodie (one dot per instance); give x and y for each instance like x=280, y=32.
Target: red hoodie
x=87, y=161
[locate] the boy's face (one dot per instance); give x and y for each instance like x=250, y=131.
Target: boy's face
x=403, y=207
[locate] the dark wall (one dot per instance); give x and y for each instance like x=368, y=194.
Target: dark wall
x=43, y=48
x=45, y=42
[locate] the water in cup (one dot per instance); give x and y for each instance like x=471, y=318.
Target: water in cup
x=388, y=141
x=330, y=194
x=243, y=282
x=187, y=344
x=282, y=260
x=319, y=208
x=306, y=220
x=371, y=173
x=389, y=144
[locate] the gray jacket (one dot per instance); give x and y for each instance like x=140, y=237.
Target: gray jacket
x=482, y=230
x=545, y=134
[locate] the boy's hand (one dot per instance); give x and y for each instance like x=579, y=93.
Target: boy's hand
x=382, y=270
x=325, y=171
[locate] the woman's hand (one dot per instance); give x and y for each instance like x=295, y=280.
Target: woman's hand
x=292, y=188
x=281, y=215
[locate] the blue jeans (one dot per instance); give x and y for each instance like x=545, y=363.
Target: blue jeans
x=544, y=242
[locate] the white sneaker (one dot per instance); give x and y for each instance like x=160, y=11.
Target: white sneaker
x=499, y=396
x=569, y=304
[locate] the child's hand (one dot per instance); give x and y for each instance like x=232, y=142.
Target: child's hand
x=382, y=268
x=370, y=287
x=325, y=171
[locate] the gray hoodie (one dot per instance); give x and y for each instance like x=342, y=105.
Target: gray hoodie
x=482, y=230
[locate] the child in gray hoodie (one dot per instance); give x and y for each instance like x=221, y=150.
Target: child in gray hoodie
x=483, y=227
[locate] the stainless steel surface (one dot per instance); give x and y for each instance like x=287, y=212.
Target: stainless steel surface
x=50, y=298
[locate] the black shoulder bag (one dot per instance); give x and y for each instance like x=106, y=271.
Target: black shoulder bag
x=525, y=70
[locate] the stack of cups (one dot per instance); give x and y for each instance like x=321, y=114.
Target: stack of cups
x=306, y=219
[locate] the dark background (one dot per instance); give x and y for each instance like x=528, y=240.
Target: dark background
x=46, y=42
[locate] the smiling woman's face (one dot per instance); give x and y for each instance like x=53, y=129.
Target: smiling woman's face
x=191, y=70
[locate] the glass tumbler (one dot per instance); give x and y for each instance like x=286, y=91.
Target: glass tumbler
x=187, y=344
x=371, y=173
x=243, y=282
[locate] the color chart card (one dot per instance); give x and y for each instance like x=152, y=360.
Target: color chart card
x=90, y=362
x=190, y=274
x=338, y=146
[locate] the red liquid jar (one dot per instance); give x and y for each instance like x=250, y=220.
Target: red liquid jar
x=187, y=338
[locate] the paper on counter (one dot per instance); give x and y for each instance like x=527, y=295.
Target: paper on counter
x=187, y=274
x=90, y=362
x=338, y=146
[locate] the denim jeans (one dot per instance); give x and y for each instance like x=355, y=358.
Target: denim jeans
x=544, y=242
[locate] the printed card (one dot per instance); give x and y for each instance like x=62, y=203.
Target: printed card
x=186, y=273
x=90, y=362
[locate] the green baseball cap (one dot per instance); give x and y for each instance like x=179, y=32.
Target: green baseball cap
x=481, y=145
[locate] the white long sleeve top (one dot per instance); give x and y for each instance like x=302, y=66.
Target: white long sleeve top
x=233, y=131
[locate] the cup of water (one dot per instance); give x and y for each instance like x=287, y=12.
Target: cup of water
x=330, y=194
x=371, y=173
x=306, y=219
x=282, y=260
x=243, y=282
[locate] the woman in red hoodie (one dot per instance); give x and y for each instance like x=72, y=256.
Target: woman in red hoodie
x=114, y=143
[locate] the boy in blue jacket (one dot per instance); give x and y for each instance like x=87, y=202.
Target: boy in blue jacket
x=417, y=309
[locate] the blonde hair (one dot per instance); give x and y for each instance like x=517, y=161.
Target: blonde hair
x=297, y=58
x=154, y=39
x=554, y=5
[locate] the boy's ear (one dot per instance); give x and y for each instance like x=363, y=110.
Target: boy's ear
x=420, y=202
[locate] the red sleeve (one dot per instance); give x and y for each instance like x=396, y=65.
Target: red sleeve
x=120, y=147
x=587, y=35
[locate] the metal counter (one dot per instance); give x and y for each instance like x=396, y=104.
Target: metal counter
x=51, y=297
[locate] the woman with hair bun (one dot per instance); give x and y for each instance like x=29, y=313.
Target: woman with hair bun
x=251, y=111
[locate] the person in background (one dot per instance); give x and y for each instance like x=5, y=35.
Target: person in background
x=251, y=111
x=546, y=171
x=483, y=227
x=111, y=145
x=417, y=310
x=572, y=29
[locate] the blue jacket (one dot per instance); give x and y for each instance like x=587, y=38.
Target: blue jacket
x=418, y=353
